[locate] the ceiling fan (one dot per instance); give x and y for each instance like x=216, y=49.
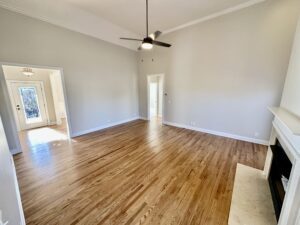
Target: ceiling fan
x=149, y=40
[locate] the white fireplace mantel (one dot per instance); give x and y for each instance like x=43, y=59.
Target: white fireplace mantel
x=291, y=121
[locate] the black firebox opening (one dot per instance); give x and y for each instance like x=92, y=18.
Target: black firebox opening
x=279, y=175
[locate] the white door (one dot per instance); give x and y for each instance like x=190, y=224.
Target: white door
x=10, y=203
x=153, y=99
x=29, y=104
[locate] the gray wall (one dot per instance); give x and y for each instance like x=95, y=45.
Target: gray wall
x=100, y=78
x=221, y=75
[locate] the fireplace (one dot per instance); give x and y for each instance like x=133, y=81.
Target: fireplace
x=279, y=176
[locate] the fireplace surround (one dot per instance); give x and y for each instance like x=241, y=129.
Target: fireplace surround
x=284, y=139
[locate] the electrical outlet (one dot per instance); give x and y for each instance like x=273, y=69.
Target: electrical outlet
x=256, y=134
x=193, y=123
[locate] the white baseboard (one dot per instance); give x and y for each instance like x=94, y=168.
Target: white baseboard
x=52, y=123
x=15, y=151
x=218, y=133
x=143, y=118
x=80, y=133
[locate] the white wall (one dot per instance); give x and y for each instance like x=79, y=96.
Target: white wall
x=291, y=93
x=58, y=96
x=100, y=78
x=222, y=74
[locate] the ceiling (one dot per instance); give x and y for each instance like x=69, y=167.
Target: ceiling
x=163, y=14
x=109, y=20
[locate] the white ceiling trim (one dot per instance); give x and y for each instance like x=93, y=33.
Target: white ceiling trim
x=72, y=18
x=215, y=15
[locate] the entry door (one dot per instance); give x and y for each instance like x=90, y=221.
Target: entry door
x=30, y=104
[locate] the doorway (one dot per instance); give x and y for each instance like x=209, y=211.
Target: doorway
x=155, y=97
x=29, y=103
x=38, y=104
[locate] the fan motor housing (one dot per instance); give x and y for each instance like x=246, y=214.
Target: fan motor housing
x=148, y=40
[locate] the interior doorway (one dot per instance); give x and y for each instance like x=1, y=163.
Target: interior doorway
x=38, y=103
x=155, y=97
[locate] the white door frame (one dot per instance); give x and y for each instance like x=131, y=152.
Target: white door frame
x=9, y=86
x=162, y=78
x=7, y=99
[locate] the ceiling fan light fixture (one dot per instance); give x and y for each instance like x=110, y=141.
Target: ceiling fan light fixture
x=28, y=72
x=147, y=43
x=147, y=46
x=150, y=39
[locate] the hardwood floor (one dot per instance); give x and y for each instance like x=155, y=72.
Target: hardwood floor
x=137, y=173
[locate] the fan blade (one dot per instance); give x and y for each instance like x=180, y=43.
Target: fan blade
x=155, y=35
x=131, y=39
x=162, y=44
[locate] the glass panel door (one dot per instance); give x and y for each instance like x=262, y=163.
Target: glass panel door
x=30, y=104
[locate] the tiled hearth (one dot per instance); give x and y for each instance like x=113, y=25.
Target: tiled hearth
x=251, y=199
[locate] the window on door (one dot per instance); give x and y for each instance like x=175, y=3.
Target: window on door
x=30, y=104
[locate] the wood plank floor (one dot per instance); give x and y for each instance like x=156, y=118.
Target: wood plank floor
x=137, y=173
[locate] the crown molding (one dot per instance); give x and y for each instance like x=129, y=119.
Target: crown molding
x=72, y=18
x=215, y=15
